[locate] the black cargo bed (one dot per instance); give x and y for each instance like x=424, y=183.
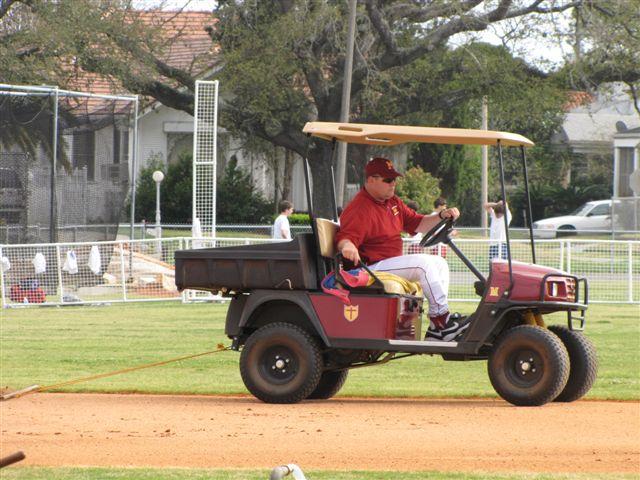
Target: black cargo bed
x=281, y=265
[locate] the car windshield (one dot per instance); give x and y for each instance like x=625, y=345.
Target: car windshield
x=582, y=210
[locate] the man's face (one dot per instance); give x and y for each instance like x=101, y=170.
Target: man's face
x=380, y=188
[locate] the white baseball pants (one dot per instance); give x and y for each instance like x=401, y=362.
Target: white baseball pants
x=431, y=271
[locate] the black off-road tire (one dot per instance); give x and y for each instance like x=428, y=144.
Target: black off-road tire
x=583, y=361
x=528, y=366
x=281, y=363
x=330, y=383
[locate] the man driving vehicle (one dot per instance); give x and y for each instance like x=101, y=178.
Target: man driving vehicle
x=370, y=228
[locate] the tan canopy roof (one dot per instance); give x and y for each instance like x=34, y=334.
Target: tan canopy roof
x=397, y=134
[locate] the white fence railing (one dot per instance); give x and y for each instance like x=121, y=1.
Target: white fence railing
x=143, y=270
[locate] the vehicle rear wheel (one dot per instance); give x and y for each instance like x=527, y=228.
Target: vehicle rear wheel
x=281, y=363
x=330, y=383
x=528, y=366
x=583, y=363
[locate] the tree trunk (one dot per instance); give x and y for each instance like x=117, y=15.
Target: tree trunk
x=320, y=165
x=288, y=174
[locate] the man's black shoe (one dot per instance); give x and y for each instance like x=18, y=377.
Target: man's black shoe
x=454, y=326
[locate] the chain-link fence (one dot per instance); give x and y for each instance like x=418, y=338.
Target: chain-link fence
x=143, y=270
x=65, y=160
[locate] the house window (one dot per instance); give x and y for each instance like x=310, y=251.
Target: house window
x=625, y=169
x=84, y=149
x=120, y=145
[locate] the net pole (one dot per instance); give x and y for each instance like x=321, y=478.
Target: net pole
x=215, y=159
x=194, y=161
x=54, y=159
x=134, y=174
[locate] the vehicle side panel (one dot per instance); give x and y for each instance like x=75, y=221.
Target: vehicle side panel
x=369, y=316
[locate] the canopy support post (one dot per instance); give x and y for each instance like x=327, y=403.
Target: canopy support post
x=529, y=211
x=506, y=220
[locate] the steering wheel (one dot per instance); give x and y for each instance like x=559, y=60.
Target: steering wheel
x=439, y=233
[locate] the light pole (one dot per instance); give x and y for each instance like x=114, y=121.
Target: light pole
x=158, y=176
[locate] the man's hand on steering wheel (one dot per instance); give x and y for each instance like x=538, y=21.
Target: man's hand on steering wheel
x=441, y=231
x=449, y=213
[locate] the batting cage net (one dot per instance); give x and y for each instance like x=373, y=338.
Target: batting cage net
x=64, y=164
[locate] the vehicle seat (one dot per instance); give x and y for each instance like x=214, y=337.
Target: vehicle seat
x=327, y=230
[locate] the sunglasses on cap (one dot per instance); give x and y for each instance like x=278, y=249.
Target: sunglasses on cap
x=385, y=180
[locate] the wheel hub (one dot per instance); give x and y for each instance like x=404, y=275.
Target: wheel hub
x=526, y=368
x=278, y=364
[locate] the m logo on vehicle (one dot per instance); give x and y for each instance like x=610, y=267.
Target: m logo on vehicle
x=351, y=312
x=494, y=291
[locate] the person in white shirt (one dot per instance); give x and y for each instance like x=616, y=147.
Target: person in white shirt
x=497, y=231
x=281, y=229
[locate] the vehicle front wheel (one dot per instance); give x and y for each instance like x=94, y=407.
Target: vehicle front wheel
x=583, y=362
x=281, y=363
x=528, y=366
x=330, y=383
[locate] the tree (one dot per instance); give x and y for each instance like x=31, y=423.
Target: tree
x=419, y=186
x=606, y=39
x=237, y=199
x=283, y=59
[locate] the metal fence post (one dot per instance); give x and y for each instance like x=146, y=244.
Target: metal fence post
x=630, y=269
x=59, y=268
x=561, y=255
x=568, y=256
x=2, y=292
x=122, y=272
x=183, y=294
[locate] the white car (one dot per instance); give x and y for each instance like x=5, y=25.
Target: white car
x=591, y=216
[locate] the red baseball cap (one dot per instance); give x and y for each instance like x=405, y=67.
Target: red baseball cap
x=381, y=166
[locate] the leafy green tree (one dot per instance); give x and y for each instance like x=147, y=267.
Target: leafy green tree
x=237, y=199
x=178, y=187
x=605, y=36
x=281, y=62
x=146, y=192
x=175, y=191
x=419, y=186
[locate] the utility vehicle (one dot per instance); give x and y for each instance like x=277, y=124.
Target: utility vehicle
x=298, y=342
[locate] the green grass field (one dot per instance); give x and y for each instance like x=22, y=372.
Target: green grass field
x=51, y=345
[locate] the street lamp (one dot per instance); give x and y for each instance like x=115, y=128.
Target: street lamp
x=158, y=176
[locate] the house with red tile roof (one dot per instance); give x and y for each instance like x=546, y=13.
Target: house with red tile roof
x=592, y=123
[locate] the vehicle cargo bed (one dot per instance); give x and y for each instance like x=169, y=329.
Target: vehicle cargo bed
x=281, y=265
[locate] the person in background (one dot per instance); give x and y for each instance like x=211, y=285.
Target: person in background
x=439, y=204
x=281, y=228
x=497, y=230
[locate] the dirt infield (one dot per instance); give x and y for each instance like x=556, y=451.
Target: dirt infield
x=340, y=434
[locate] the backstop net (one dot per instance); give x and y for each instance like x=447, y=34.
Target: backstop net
x=64, y=164
x=205, y=134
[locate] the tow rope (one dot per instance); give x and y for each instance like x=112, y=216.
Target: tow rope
x=38, y=388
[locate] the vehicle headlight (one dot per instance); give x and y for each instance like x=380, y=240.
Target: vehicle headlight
x=561, y=288
x=548, y=227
